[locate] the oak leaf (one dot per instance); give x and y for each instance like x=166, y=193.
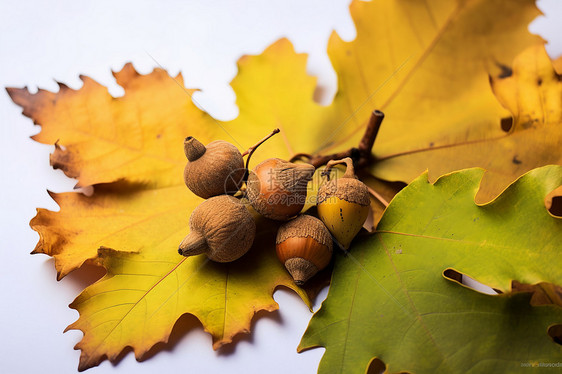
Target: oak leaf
x=102, y=139
x=557, y=64
x=392, y=297
x=533, y=95
x=137, y=303
x=426, y=65
x=131, y=149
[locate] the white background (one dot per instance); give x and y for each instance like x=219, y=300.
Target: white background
x=44, y=41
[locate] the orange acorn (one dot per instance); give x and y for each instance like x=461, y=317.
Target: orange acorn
x=304, y=246
x=277, y=188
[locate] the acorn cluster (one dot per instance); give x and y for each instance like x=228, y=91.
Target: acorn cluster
x=223, y=227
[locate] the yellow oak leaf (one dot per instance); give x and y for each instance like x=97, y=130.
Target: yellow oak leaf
x=558, y=65
x=131, y=149
x=426, y=65
x=117, y=215
x=272, y=92
x=137, y=303
x=533, y=94
x=103, y=139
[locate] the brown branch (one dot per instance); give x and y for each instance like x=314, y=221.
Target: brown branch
x=318, y=161
x=361, y=156
x=371, y=132
x=368, y=140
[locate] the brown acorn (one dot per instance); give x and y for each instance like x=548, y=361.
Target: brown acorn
x=277, y=188
x=213, y=170
x=222, y=228
x=304, y=246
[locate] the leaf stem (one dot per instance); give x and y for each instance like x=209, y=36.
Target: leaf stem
x=378, y=196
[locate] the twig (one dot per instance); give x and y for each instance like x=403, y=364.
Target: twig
x=253, y=148
x=251, y=151
x=318, y=161
x=361, y=156
x=300, y=156
x=371, y=132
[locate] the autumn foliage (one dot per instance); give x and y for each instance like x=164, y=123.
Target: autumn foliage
x=460, y=88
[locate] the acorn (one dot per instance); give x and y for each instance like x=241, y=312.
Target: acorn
x=277, y=188
x=221, y=227
x=304, y=246
x=343, y=203
x=212, y=170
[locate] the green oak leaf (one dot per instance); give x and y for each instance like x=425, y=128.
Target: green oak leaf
x=391, y=297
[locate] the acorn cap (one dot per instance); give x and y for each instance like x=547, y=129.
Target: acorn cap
x=348, y=189
x=277, y=189
x=293, y=177
x=305, y=226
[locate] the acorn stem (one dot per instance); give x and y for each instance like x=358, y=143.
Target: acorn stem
x=252, y=149
x=193, y=244
x=193, y=148
x=349, y=170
